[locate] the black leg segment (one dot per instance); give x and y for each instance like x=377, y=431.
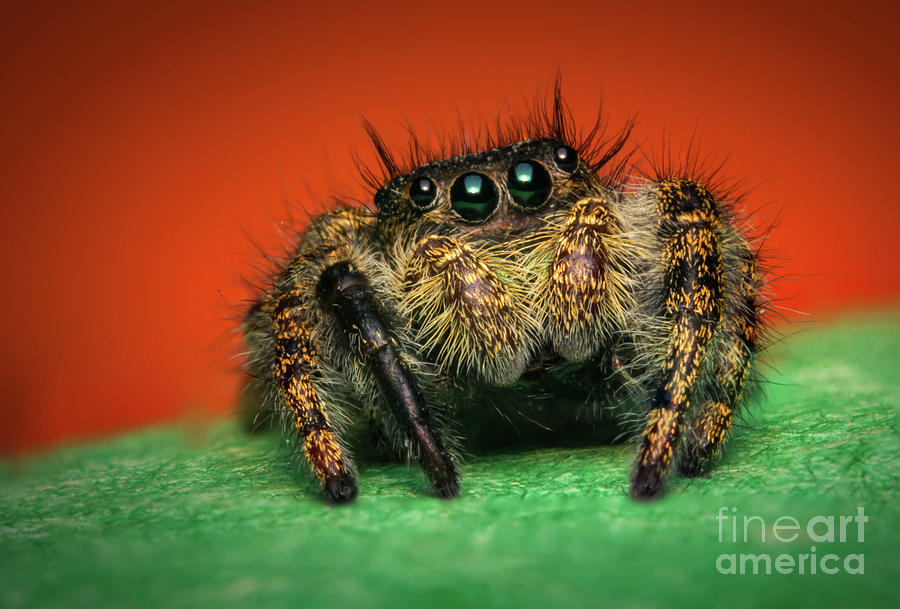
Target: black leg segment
x=345, y=292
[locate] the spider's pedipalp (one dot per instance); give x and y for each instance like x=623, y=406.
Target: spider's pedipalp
x=466, y=313
x=584, y=294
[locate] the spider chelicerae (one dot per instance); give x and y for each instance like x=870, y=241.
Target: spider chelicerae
x=535, y=262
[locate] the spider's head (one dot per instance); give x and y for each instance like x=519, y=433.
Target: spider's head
x=494, y=192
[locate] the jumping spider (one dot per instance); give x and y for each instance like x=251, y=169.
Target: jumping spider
x=517, y=265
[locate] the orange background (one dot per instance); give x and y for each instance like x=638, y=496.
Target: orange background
x=140, y=143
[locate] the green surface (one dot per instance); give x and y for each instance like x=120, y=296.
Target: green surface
x=163, y=518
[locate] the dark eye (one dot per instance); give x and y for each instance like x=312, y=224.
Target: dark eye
x=422, y=192
x=529, y=184
x=473, y=196
x=566, y=158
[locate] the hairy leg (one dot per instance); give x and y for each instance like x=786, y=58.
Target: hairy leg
x=345, y=292
x=688, y=215
x=320, y=331
x=710, y=428
x=296, y=361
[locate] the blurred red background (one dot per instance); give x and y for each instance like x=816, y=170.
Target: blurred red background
x=141, y=143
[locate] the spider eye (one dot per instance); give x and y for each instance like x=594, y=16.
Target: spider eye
x=529, y=184
x=473, y=196
x=566, y=158
x=422, y=192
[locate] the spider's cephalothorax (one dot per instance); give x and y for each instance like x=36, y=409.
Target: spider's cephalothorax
x=518, y=266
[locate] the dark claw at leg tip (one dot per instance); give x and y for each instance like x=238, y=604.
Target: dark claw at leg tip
x=647, y=486
x=693, y=469
x=341, y=490
x=447, y=490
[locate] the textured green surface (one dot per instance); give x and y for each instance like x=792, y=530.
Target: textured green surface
x=163, y=518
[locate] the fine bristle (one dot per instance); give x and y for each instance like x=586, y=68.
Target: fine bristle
x=548, y=116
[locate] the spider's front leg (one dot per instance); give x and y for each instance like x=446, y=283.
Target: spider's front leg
x=344, y=291
x=692, y=282
x=321, y=337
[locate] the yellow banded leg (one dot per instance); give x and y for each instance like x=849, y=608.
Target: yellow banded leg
x=296, y=362
x=714, y=419
x=693, y=276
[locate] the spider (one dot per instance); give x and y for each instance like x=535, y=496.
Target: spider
x=531, y=265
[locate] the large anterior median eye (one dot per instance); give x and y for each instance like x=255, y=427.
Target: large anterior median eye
x=473, y=196
x=529, y=184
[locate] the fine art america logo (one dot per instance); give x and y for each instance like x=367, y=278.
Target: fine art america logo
x=827, y=531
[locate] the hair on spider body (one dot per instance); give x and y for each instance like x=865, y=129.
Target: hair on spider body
x=506, y=277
